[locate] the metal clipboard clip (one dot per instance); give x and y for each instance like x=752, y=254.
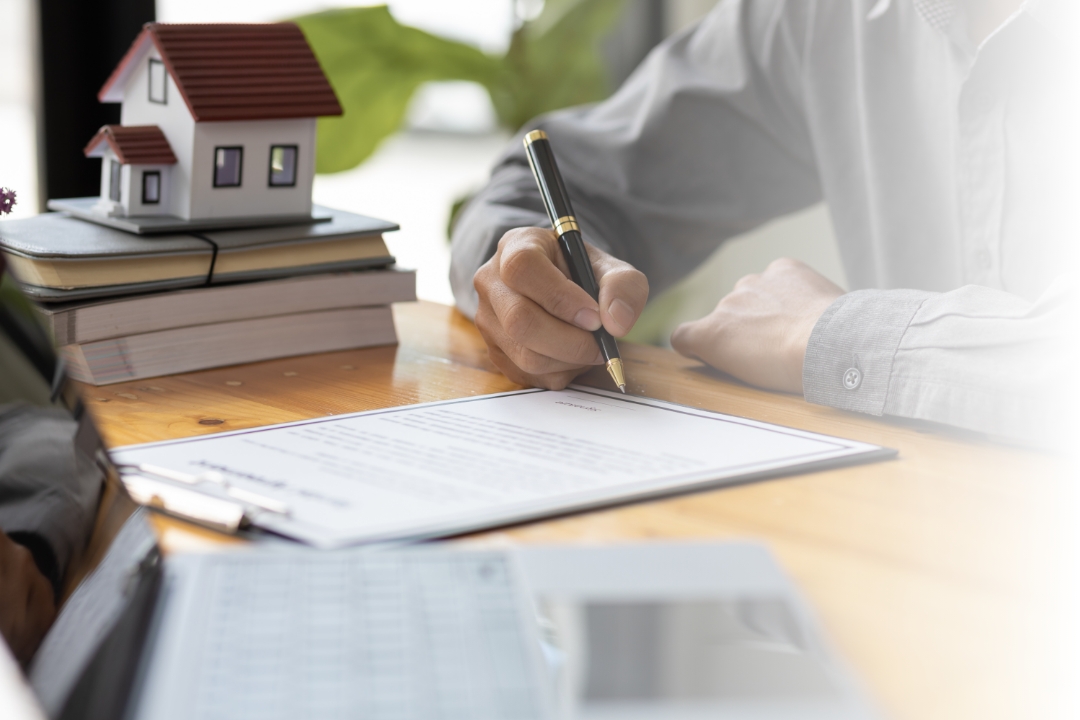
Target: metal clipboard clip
x=207, y=498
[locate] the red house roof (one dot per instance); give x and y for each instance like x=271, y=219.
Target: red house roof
x=134, y=145
x=234, y=71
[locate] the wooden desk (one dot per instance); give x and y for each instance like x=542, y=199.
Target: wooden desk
x=933, y=573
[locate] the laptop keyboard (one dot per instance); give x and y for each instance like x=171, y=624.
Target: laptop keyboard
x=405, y=634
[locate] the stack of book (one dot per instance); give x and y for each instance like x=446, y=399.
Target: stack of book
x=123, y=306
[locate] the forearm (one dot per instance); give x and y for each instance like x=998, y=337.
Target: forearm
x=973, y=358
x=705, y=141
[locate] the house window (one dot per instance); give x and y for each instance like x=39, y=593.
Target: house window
x=151, y=187
x=283, y=165
x=228, y=163
x=158, y=82
x=114, y=181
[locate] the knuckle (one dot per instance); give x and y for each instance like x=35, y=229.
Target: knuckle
x=483, y=323
x=520, y=264
x=641, y=282
x=634, y=277
x=746, y=281
x=532, y=363
x=627, y=283
x=561, y=305
x=516, y=265
x=525, y=237
x=584, y=349
x=621, y=277
x=508, y=239
x=518, y=320
x=784, y=263
x=482, y=278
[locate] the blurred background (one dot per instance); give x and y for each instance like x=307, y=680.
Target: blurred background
x=425, y=129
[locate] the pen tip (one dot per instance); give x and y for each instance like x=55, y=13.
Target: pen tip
x=614, y=368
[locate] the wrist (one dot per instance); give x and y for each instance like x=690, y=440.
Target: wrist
x=799, y=340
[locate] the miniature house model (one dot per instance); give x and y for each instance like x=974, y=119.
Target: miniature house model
x=217, y=121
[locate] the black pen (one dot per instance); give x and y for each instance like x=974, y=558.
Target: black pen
x=557, y=203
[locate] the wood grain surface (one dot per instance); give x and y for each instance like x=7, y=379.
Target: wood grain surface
x=937, y=575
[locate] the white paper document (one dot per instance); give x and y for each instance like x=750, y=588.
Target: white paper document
x=450, y=467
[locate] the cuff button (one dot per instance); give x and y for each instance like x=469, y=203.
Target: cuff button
x=852, y=378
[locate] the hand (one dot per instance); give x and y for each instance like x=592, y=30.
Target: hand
x=759, y=331
x=26, y=600
x=537, y=322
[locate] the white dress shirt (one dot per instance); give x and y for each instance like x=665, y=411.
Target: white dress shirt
x=950, y=172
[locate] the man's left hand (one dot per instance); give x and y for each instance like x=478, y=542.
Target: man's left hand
x=759, y=332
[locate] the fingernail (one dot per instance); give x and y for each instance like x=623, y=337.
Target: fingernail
x=587, y=319
x=623, y=316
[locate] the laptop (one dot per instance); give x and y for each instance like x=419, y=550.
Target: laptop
x=290, y=632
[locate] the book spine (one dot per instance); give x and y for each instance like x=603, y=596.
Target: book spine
x=135, y=357
x=164, y=311
x=60, y=325
x=102, y=363
x=75, y=364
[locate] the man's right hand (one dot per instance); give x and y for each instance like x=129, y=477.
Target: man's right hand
x=537, y=322
x=26, y=600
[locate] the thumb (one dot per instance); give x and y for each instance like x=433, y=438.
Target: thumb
x=624, y=291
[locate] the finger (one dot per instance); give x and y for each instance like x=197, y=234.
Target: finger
x=524, y=358
x=527, y=265
x=700, y=340
x=530, y=327
x=549, y=381
x=624, y=291
x=684, y=340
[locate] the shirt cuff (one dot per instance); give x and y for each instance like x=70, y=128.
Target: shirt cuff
x=849, y=357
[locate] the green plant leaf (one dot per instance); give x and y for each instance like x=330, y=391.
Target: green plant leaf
x=555, y=61
x=375, y=65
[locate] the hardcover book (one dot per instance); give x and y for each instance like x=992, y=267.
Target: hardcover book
x=100, y=319
x=60, y=258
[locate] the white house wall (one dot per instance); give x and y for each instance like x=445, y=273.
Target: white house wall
x=175, y=122
x=190, y=188
x=106, y=173
x=134, y=183
x=254, y=196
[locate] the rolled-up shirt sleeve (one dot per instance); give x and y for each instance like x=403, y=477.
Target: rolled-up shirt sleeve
x=705, y=141
x=49, y=485
x=974, y=358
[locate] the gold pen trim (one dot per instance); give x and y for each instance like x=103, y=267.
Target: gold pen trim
x=615, y=370
x=534, y=136
x=565, y=224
